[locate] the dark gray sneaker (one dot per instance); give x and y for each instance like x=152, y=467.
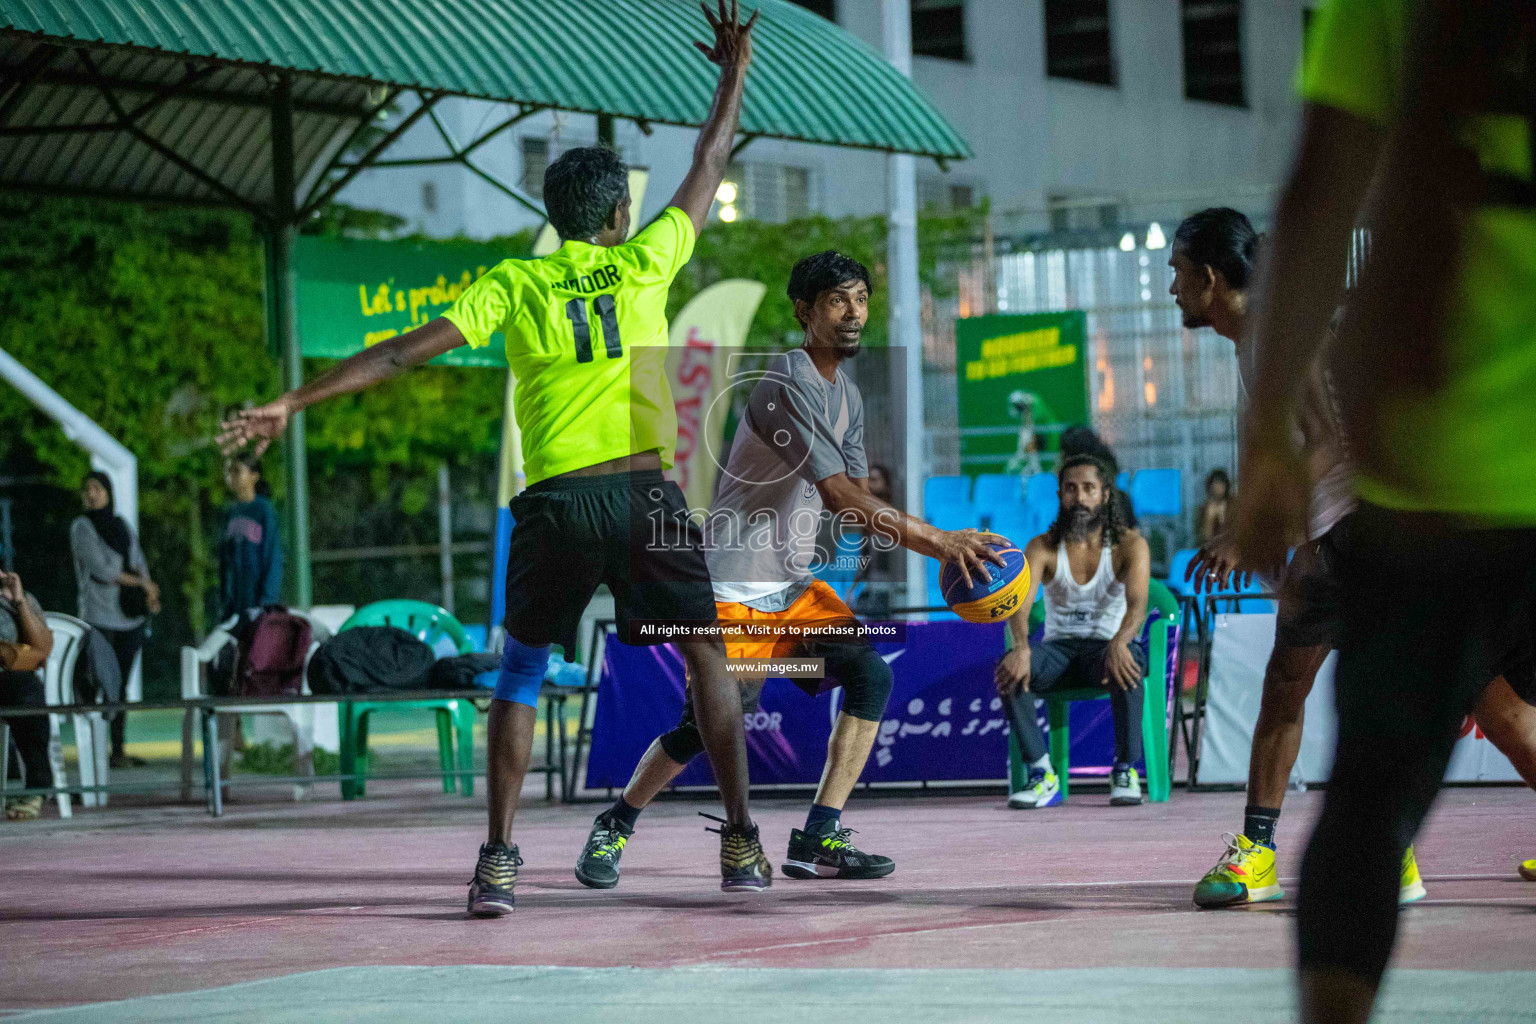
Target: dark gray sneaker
x=829, y=854
x=598, y=866
x=490, y=891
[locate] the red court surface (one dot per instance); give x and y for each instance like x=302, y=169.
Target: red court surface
x=133, y=902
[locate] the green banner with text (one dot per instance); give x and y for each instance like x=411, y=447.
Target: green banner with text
x=1022, y=380
x=354, y=293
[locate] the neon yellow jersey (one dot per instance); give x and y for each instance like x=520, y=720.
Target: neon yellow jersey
x=586, y=330
x=1466, y=449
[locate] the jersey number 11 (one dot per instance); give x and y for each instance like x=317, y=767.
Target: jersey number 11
x=581, y=325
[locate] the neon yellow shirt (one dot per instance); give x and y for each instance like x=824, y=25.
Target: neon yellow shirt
x=1468, y=448
x=586, y=330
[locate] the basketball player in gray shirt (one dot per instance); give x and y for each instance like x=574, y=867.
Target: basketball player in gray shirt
x=797, y=458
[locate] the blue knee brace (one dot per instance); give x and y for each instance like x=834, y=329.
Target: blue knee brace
x=522, y=672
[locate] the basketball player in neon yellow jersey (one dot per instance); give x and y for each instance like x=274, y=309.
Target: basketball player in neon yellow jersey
x=586, y=334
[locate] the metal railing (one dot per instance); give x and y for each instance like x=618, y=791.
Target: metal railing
x=208, y=708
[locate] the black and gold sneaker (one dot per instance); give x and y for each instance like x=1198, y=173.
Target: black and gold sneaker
x=829, y=854
x=598, y=866
x=744, y=867
x=490, y=891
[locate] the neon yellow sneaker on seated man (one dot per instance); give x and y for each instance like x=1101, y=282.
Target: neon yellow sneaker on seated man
x=1528, y=870
x=1411, y=887
x=1245, y=874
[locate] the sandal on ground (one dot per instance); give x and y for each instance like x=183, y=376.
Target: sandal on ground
x=24, y=808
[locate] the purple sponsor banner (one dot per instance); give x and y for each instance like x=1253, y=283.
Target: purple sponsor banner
x=943, y=721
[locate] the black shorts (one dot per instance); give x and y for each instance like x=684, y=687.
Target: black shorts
x=628, y=530
x=1312, y=610
x=1311, y=593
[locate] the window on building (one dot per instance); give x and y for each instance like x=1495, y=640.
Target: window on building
x=938, y=29
x=535, y=163
x=1077, y=44
x=826, y=8
x=429, y=196
x=772, y=192
x=942, y=195
x=1213, y=51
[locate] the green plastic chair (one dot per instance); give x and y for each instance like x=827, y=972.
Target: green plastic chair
x=1154, y=711
x=428, y=623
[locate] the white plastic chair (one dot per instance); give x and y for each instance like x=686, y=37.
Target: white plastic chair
x=91, y=744
x=301, y=717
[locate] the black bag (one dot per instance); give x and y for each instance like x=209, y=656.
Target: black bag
x=370, y=659
x=459, y=673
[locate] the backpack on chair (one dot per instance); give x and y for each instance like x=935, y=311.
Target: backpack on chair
x=272, y=652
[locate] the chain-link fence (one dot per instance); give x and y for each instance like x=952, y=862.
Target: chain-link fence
x=1162, y=396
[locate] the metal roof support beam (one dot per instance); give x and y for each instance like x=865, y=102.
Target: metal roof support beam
x=214, y=97
x=427, y=103
x=194, y=74
x=511, y=190
x=31, y=68
x=282, y=227
x=454, y=156
x=523, y=112
x=390, y=95
x=164, y=150
x=461, y=155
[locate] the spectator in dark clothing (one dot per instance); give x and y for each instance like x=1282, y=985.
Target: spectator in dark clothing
x=117, y=595
x=25, y=643
x=250, y=554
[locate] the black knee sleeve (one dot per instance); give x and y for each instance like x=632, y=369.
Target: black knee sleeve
x=867, y=681
x=685, y=742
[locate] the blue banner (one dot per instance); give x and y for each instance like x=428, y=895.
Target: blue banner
x=944, y=720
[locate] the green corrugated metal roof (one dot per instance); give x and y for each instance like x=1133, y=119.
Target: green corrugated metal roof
x=632, y=58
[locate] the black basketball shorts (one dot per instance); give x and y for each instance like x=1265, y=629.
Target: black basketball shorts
x=627, y=530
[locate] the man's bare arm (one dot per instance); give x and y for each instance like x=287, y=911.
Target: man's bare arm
x=34, y=638
x=389, y=358
x=856, y=506
x=1304, y=267
x=1138, y=576
x=732, y=50
x=1303, y=275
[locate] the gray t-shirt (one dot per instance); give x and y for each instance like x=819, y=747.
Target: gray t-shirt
x=799, y=428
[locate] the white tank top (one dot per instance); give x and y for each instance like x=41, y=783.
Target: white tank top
x=1090, y=611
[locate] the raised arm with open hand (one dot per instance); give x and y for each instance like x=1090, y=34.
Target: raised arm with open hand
x=265, y=423
x=732, y=50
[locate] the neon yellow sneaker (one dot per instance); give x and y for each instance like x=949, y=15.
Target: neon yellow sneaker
x=1411, y=887
x=1245, y=874
x=1528, y=870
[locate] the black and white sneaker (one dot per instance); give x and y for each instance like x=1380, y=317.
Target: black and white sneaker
x=1124, y=787
x=490, y=891
x=598, y=867
x=829, y=854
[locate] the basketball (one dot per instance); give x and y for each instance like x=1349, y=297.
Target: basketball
x=987, y=600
